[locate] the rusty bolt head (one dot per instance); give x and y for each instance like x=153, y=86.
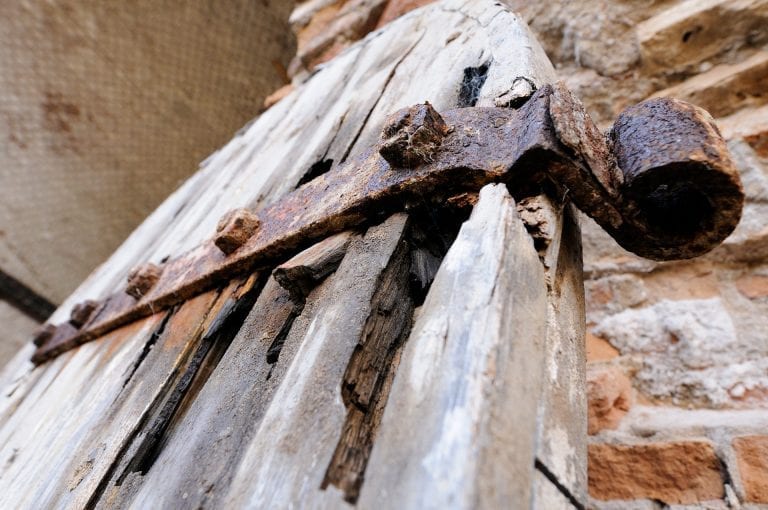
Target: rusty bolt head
x=412, y=136
x=44, y=334
x=82, y=312
x=234, y=229
x=142, y=278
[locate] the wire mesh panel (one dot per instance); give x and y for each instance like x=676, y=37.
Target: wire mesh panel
x=105, y=107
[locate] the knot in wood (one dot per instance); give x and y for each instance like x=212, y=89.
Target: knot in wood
x=412, y=136
x=234, y=229
x=82, y=312
x=142, y=278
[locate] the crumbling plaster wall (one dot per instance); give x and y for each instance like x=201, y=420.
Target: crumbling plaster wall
x=677, y=352
x=105, y=107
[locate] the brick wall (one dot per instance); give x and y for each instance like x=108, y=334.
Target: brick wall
x=677, y=352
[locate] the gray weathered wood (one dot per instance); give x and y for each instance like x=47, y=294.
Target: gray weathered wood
x=62, y=438
x=226, y=414
x=561, y=446
x=297, y=428
x=460, y=425
x=301, y=427
x=301, y=274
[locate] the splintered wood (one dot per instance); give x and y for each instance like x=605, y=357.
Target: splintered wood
x=462, y=413
x=398, y=366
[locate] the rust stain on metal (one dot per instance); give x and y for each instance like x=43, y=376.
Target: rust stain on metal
x=662, y=184
x=681, y=187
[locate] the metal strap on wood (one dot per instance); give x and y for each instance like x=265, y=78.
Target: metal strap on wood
x=661, y=183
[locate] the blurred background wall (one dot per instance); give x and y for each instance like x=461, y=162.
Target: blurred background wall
x=105, y=107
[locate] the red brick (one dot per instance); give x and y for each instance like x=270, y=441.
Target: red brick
x=674, y=473
x=752, y=457
x=609, y=395
x=599, y=293
x=689, y=32
x=318, y=25
x=753, y=286
x=599, y=349
x=725, y=88
x=693, y=280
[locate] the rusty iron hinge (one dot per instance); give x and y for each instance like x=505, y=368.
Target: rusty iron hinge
x=661, y=183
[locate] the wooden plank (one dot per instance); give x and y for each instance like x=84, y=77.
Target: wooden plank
x=561, y=438
x=285, y=464
x=548, y=496
x=53, y=416
x=96, y=418
x=302, y=273
x=263, y=162
x=368, y=377
x=460, y=426
x=227, y=412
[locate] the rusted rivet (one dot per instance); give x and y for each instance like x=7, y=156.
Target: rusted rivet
x=412, y=136
x=234, y=229
x=142, y=278
x=81, y=312
x=44, y=334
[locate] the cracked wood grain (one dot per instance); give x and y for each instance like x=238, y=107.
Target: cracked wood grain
x=302, y=273
x=460, y=424
x=226, y=413
x=285, y=463
x=369, y=373
x=561, y=419
x=89, y=418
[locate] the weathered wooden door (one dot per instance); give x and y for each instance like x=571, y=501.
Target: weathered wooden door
x=432, y=360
